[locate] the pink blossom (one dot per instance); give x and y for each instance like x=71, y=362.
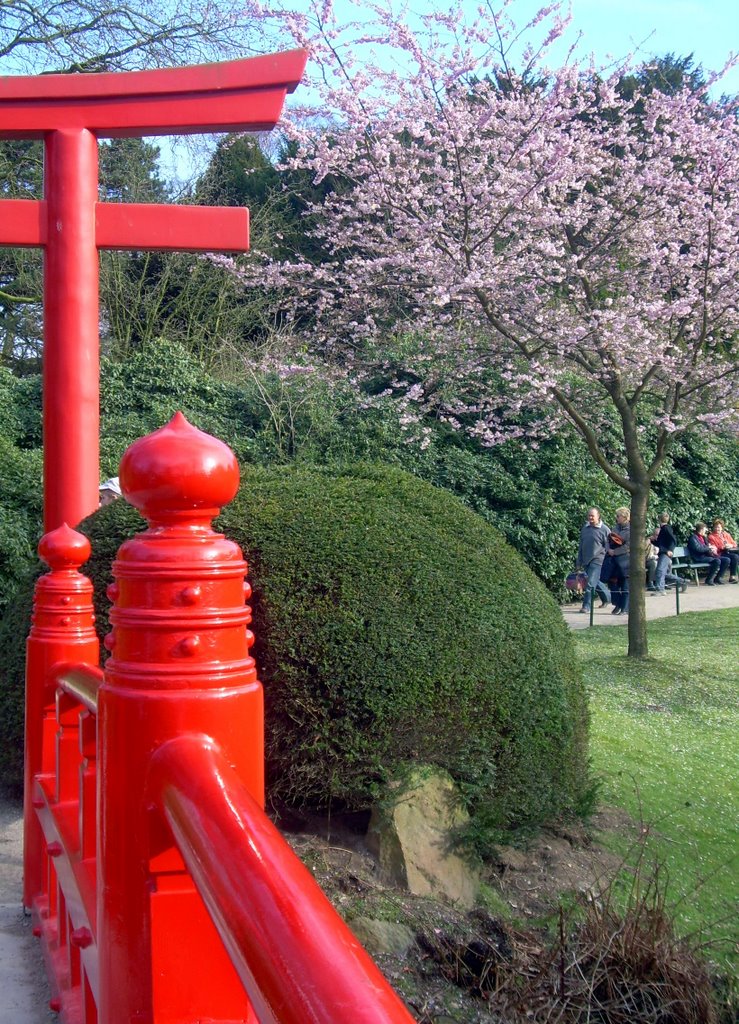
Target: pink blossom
x=591, y=263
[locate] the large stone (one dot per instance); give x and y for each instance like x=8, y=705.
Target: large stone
x=511, y=858
x=412, y=836
x=382, y=936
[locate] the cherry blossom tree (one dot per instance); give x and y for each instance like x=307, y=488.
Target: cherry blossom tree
x=523, y=245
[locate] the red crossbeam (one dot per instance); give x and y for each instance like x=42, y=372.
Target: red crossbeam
x=243, y=95
x=23, y=222
x=137, y=226
x=153, y=226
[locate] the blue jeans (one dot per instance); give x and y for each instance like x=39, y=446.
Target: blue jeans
x=733, y=562
x=593, y=570
x=664, y=564
x=620, y=590
x=717, y=566
x=666, y=576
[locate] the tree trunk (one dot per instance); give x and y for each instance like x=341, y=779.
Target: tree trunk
x=8, y=343
x=637, y=611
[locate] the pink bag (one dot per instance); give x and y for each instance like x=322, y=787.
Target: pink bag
x=577, y=581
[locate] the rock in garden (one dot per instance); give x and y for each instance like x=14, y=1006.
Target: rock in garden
x=382, y=936
x=412, y=835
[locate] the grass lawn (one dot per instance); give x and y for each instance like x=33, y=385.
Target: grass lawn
x=665, y=744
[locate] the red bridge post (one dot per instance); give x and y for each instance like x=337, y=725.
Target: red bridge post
x=71, y=364
x=62, y=631
x=179, y=664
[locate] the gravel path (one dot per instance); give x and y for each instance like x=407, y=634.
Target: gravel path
x=695, y=599
x=25, y=993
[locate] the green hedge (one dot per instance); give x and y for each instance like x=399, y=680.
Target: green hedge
x=14, y=626
x=394, y=625
x=536, y=496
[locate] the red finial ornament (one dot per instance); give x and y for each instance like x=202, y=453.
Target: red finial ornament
x=177, y=471
x=64, y=548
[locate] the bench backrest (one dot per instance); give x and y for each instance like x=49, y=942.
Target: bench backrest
x=682, y=555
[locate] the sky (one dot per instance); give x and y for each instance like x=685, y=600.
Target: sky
x=609, y=29
x=709, y=29
x=615, y=28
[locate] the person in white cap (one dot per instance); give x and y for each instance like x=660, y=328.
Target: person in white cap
x=109, y=491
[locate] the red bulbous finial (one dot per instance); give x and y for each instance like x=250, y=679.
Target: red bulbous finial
x=64, y=548
x=178, y=470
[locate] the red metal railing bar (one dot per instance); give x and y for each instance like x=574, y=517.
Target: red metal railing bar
x=76, y=879
x=81, y=682
x=297, y=959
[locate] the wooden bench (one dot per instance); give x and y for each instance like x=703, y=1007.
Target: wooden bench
x=682, y=559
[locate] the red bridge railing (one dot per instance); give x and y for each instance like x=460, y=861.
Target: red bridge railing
x=160, y=890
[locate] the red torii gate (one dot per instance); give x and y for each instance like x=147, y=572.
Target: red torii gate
x=143, y=781
x=70, y=113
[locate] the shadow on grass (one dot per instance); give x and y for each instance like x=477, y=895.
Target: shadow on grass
x=692, y=664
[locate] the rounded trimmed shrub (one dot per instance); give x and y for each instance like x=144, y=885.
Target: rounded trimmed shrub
x=395, y=626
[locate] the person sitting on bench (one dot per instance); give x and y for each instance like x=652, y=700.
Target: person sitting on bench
x=701, y=550
x=666, y=543
x=651, y=554
x=109, y=491
x=725, y=548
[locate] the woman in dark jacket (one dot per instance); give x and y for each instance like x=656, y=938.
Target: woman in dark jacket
x=703, y=551
x=618, y=549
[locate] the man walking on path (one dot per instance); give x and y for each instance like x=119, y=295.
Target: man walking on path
x=590, y=555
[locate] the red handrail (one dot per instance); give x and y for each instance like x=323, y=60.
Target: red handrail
x=297, y=959
x=81, y=682
x=145, y=783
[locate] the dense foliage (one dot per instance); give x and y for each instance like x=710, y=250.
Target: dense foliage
x=393, y=625
x=21, y=489
x=536, y=496
x=14, y=626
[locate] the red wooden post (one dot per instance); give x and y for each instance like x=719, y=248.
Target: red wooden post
x=179, y=664
x=71, y=112
x=62, y=631
x=71, y=359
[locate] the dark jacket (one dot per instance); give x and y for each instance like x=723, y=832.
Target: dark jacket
x=593, y=544
x=665, y=539
x=621, y=551
x=698, y=548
